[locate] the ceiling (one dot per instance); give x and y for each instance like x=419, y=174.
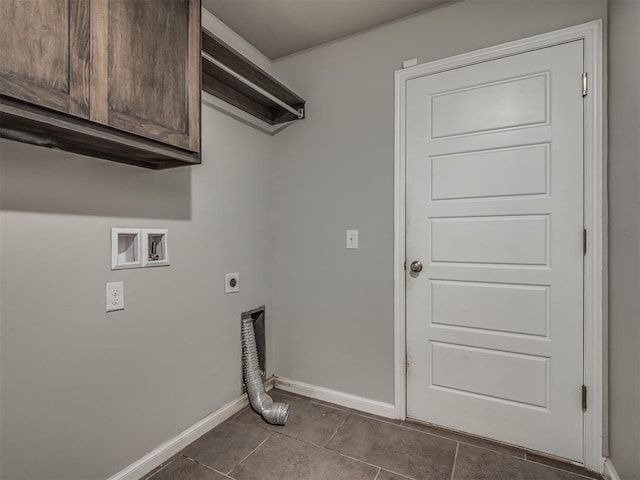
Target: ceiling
x=281, y=27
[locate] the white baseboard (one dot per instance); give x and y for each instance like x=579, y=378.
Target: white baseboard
x=367, y=405
x=164, y=452
x=610, y=471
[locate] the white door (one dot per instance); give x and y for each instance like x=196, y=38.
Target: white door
x=494, y=207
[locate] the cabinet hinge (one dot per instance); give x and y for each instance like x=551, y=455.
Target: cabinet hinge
x=584, y=241
x=584, y=84
x=584, y=398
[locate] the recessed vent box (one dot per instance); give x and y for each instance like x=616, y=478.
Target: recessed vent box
x=155, y=248
x=126, y=249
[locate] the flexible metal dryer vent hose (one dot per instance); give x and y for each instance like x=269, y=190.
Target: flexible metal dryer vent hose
x=273, y=413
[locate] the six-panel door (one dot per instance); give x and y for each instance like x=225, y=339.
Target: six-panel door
x=495, y=213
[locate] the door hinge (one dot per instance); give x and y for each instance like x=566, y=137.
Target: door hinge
x=584, y=241
x=584, y=398
x=584, y=84
x=405, y=265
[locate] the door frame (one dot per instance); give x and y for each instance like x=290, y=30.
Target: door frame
x=595, y=217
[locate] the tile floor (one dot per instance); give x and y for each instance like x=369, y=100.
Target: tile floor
x=322, y=441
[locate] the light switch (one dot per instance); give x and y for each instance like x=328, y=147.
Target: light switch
x=352, y=238
x=115, y=296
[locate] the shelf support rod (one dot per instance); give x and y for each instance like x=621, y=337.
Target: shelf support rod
x=298, y=113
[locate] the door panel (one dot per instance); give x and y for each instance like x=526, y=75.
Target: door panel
x=44, y=53
x=494, y=307
x=494, y=211
x=517, y=240
x=509, y=103
x=146, y=71
x=505, y=172
x=481, y=372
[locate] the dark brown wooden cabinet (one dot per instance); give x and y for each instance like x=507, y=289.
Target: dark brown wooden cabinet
x=116, y=79
x=145, y=73
x=44, y=52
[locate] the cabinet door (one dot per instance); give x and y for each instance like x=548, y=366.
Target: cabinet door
x=44, y=53
x=145, y=68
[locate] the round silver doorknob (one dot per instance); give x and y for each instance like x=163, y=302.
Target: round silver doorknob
x=416, y=267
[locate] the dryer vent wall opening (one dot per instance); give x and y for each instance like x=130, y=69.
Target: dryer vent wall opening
x=274, y=413
x=259, y=329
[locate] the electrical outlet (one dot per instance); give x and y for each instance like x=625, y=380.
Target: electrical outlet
x=115, y=296
x=232, y=283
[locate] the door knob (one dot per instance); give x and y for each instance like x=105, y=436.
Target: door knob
x=416, y=267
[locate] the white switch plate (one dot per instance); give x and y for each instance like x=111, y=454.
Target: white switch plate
x=352, y=238
x=115, y=296
x=232, y=283
x=411, y=62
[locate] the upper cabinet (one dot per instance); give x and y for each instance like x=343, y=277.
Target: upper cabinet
x=145, y=70
x=116, y=79
x=44, y=48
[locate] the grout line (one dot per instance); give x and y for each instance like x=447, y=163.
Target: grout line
x=353, y=411
x=163, y=466
x=439, y=436
x=251, y=452
x=331, y=405
x=455, y=459
x=208, y=467
x=476, y=445
x=334, y=433
x=358, y=460
x=378, y=418
x=558, y=469
x=485, y=447
x=377, y=474
x=375, y=466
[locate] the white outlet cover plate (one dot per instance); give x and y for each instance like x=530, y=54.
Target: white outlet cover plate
x=228, y=280
x=115, y=296
x=352, y=238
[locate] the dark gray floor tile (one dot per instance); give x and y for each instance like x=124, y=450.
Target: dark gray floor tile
x=469, y=439
x=184, y=469
x=395, y=448
x=226, y=445
x=552, y=462
x=307, y=421
x=161, y=466
x=358, y=412
x=475, y=463
x=283, y=458
x=384, y=475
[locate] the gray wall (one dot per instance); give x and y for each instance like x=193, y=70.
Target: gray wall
x=624, y=237
x=334, y=170
x=85, y=393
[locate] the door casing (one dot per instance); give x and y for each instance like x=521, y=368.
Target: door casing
x=595, y=215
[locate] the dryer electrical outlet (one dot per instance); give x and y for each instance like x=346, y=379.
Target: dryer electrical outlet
x=232, y=283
